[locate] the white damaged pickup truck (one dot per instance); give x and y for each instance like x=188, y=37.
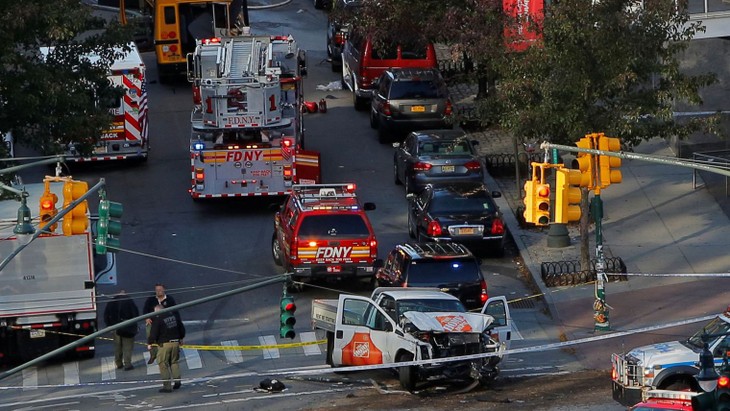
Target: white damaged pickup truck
x=414, y=324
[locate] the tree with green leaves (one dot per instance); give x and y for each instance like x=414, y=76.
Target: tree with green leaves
x=51, y=92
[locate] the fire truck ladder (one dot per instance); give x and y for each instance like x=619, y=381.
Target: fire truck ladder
x=245, y=58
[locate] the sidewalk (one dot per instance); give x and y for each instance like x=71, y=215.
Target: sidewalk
x=654, y=221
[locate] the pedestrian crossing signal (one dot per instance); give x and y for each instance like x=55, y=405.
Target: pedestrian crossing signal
x=286, y=328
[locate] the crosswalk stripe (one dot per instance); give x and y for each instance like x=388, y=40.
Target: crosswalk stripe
x=71, y=373
x=310, y=336
x=269, y=353
x=108, y=369
x=192, y=357
x=232, y=357
x=30, y=378
x=151, y=368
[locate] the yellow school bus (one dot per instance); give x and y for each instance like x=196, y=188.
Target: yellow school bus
x=178, y=23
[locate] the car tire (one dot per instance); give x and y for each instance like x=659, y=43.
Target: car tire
x=396, y=180
x=373, y=120
x=411, y=229
x=360, y=103
x=276, y=250
x=336, y=67
x=407, y=375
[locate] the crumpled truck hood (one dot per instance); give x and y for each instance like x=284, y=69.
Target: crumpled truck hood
x=449, y=321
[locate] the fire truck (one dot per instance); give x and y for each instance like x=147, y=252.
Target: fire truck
x=247, y=134
x=127, y=136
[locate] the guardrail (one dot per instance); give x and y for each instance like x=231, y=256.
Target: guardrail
x=564, y=273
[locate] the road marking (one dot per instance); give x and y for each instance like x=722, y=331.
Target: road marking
x=108, y=369
x=30, y=378
x=192, y=357
x=232, y=357
x=151, y=368
x=310, y=336
x=269, y=353
x=71, y=373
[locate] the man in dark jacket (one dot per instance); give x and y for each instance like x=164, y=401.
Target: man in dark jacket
x=122, y=308
x=167, y=332
x=160, y=298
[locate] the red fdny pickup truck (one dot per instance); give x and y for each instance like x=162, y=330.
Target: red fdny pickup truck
x=322, y=232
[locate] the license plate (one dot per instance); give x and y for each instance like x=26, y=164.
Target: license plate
x=334, y=269
x=447, y=169
x=467, y=231
x=37, y=333
x=418, y=109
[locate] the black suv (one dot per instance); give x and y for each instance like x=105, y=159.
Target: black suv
x=337, y=30
x=410, y=99
x=450, y=267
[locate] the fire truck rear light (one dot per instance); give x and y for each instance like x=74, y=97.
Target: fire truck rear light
x=434, y=228
x=212, y=40
x=421, y=166
x=312, y=244
x=614, y=374
x=199, y=175
x=350, y=188
x=233, y=147
x=287, y=142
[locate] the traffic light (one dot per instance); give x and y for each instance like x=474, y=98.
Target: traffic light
x=75, y=221
x=584, y=162
x=286, y=329
x=529, y=201
x=48, y=208
x=109, y=227
x=567, y=195
x=542, y=204
x=608, y=165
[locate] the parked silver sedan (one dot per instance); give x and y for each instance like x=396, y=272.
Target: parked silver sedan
x=436, y=156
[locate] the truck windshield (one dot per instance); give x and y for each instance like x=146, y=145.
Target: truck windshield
x=430, y=306
x=716, y=326
x=334, y=225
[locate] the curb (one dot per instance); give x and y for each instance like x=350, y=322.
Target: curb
x=514, y=229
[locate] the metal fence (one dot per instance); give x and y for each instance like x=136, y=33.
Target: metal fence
x=562, y=273
x=719, y=158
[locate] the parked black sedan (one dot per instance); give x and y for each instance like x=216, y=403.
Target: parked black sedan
x=436, y=156
x=465, y=213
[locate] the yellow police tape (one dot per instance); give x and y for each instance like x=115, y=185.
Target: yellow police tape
x=251, y=347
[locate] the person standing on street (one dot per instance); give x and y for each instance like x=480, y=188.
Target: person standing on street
x=167, y=332
x=160, y=298
x=122, y=308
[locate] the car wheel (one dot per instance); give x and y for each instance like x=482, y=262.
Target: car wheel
x=373, y=119
x=396, y=180
x=407, y=375
x=411, y=228
x=276, y=250
x=360, y=103
x=335, y=66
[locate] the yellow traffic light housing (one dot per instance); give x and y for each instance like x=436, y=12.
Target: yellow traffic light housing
x=542, y=204
x=567, y=195
x=585, y=162
x=48, y=209
x=529, y=201
x=607, y=165
x=75, y=221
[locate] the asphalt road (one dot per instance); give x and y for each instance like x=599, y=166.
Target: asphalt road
x=201, y=248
